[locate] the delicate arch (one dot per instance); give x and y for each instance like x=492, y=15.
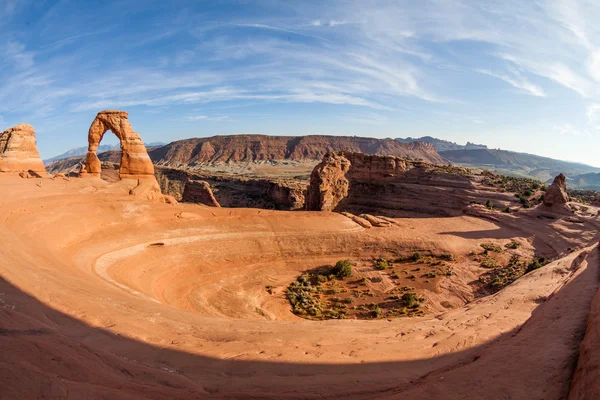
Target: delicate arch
x=135, y=162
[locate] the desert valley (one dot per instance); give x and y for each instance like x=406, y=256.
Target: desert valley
x=290, y=267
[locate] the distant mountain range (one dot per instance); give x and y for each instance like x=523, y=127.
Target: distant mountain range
x=589, y=181
x=510, y=162
x=443, y=145
x=80, y=151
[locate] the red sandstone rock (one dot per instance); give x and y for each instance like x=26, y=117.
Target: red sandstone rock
x=328, y=183
x=247, y=148
x=196, y=191
x=556, y=196
x=18, y=151
x=135, y=162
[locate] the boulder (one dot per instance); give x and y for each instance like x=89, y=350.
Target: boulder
x=18, y=151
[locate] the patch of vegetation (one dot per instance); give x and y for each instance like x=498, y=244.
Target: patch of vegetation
x=270, y=289
x=489, y=205
x=342, y=269
x=488, y=262
x=410, y=300
x=582, y=196
x=446, y=257
x=491, y=247
x=513, y=244
x=501, y=277
x=416, y=256
x=381, y=264
x=523, y=188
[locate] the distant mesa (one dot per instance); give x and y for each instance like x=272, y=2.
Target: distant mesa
x=18, y=151
x=265, y=148
x=443, y=145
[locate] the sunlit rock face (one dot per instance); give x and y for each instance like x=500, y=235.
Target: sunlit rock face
x=135, y=162
x=18, y=151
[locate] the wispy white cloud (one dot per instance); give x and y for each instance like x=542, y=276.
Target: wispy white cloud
x=516, y=81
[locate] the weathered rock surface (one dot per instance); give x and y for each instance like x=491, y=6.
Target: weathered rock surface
x=248, y=148
x=135, y=162
x=393, y=186
x=18, y=151
x=586, y=379
x=196, y=191
x=557, y=196
x=328, y=183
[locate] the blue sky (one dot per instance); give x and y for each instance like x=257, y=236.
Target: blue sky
x=519, y=75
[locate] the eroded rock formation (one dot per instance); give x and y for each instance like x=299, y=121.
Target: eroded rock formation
x=18, y=151
x=328, y=183
x=393, y=186
x=556, y=196
x=135, y=162
x=199, y=192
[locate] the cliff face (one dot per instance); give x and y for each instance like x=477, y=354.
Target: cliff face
x=199, y=192
x=231, y=191
x=388, y=185
x=247, y=148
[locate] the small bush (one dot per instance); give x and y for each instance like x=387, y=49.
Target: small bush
x=342, y=269
x=416, y=256
x=375, y=311
x=488, y=263
x=410, y=300
x=489, y=205
x=532, y=266
x=381, y=264
x=506, y=210
x=269, y=289
x=447, y=257
x=491, y=247
x=513, y=244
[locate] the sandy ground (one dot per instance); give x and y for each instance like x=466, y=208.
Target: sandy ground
x=104, y=295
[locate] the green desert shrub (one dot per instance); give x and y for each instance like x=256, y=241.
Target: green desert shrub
x=342, y=269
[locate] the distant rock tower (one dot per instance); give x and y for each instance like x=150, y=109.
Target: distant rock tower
x=556, y=196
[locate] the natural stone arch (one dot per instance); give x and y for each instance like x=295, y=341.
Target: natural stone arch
x=135, y=162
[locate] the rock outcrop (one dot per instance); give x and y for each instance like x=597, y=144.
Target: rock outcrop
x=196, y=191
x=556, y=197
x=328, y=183
x=18, y=151
x=364, y=184
x=586, y=378
x=135, y=162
